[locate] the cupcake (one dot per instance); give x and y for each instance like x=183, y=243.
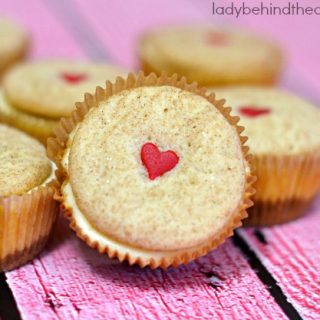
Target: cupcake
x=153, y=172
x=13, y=45
x=36, y=95
x=27, y=208
x=211, y=55
x=284, y=138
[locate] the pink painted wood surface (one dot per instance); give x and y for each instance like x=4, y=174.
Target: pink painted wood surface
x=119, y=23
x=292, y=255
x=49, y=38
x=71, y=281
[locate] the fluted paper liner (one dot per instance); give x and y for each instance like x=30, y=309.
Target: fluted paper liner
x=285, y=187
x=26, y=222
x=58, y=144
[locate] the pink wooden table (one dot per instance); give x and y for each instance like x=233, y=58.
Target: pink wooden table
x=268, y=273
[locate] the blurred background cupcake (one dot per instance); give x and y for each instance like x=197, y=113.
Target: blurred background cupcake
x=36, y=95
x=27, y=208
x=211, y=55
x=284, y=138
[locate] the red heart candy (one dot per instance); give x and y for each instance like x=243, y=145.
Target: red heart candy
x=217, y=38
x=73, y=78
x=156, y=162
x=253, y=112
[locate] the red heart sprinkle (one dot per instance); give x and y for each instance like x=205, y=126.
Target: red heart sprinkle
x=253, y=112
x=156, y=162
x=73, y=78
x=217, y=38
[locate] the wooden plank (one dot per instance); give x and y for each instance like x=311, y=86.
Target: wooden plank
x=291, y=253
x=8, y=307
x=118, y=24
x=71, y=281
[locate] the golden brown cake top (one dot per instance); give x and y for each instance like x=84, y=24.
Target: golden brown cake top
x=157, y=168
x=202, y=49
x=23, y=162
x=275, y=121
x=51, y=88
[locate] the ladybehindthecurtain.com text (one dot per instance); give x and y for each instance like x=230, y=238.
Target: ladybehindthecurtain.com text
x=243, y=9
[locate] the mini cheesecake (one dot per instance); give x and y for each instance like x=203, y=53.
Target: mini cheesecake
x=211, y=55
x=36, y=95
x=27, y=208
x=153, y=171
x=284, y=138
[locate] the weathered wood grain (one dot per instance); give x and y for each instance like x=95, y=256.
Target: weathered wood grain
x=291, y=252
x=71, y=281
